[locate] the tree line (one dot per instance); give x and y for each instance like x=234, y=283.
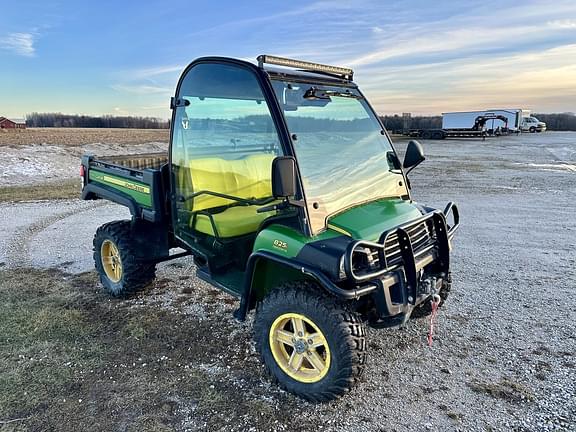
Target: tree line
x=393, y=123
x=558, y=122
x=82, y=121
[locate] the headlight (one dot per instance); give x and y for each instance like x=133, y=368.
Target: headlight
x=364, y=261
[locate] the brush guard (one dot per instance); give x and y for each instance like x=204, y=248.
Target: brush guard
x=401, y=282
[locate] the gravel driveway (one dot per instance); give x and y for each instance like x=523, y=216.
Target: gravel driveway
x=504, y=354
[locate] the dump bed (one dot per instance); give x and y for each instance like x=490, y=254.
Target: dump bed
x=138, y=182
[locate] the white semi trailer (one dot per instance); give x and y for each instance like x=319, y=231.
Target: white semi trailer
x=460, y=120
x=466, y=119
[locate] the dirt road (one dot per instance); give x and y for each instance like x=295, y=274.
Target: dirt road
x=503, y=358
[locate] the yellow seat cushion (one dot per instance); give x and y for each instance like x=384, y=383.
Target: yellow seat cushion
x=232, y=222
x=243, y=178
x=248, y=178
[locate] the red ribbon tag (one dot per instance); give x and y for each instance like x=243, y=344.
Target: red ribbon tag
x=435, y=303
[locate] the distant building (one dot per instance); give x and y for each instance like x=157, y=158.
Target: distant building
x=6, y=123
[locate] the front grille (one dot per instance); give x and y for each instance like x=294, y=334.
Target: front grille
x=427, y=242
x=420, y=237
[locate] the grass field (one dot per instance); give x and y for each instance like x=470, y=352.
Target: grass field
x=81, y=136
x=64, y=189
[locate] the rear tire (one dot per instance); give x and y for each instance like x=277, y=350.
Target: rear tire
x=324, y=360
x=115, y=259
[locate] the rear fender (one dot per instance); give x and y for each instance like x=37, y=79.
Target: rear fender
x=92, y=192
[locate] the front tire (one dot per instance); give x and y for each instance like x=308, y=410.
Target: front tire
x=115, y=259
x=310, y=343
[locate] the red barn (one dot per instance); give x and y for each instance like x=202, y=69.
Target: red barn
x=11, y=124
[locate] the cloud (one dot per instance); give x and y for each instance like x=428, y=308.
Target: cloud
x=155, y=71
x=121, y=111
x=163, y=107
x=142, y=89
x=563, y=24
x=19, y=43
x=314, y=10
x=541, y=80
x=459, y=41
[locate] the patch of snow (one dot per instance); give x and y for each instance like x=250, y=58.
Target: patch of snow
x=553, y=167
x=38, y=163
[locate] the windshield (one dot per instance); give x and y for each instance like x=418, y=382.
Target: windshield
x=343, y=156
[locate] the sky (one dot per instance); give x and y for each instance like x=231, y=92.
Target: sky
x=420, y=56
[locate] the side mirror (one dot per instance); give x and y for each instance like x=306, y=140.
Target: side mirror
x=414, y=155
x=284, y=177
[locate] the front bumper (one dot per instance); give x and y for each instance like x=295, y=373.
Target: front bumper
x=421, y=270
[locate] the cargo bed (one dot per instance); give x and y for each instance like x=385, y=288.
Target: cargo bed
x=135, y=181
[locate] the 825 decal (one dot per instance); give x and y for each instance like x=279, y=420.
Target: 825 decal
x=279, y=244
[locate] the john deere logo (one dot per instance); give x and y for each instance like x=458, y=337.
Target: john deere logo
x=279, y=244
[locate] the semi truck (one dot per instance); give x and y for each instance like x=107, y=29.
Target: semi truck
x=284, y=186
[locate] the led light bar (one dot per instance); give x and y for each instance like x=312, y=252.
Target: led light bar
x=345, y=73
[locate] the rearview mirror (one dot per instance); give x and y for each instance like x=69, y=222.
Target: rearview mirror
x=284, y=177
x=414, y=155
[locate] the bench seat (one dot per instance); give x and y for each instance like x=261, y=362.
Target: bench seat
x=247, y=178
x=232, y=222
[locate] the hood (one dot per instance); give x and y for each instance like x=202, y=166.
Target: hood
x=369, y=221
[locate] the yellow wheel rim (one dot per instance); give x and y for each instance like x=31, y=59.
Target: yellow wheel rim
x=111, y=261
x=299, y=348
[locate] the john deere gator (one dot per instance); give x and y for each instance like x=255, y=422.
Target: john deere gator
x=284, y=186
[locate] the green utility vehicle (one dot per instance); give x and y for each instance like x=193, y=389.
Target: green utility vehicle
x=283, y=184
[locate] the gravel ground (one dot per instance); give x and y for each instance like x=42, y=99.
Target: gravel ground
x=39, y=234
x=503, y=358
